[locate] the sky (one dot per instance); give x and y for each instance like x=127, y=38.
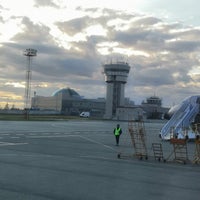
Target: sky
x=159, y=39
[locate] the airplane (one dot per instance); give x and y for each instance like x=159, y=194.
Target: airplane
x=184, y=116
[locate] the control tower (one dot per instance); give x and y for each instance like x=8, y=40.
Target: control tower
x=115, y=76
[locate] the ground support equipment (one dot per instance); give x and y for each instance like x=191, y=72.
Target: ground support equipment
x=197, y=151
x=138, y=138
x=158, y=152
x=180, y=150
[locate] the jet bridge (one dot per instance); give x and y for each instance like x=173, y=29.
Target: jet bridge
x=182, y=118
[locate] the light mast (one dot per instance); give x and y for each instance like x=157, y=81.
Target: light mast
x=29, y=53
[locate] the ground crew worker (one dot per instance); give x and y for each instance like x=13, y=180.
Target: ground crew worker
x=117, y=132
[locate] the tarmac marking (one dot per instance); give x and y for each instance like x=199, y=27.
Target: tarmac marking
x=97, y=157
x=51, y=136
x=32, y=134
x=96, y=142
x=12, y=144
x=9, y=154
x=69, y=135
x=25, y=155
x=45, y=133
x=20, y=134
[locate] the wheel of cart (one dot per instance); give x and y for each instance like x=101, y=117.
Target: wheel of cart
x=141, y=156
x=119, y=155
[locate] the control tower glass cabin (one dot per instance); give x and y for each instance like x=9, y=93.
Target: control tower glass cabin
x=116, y=75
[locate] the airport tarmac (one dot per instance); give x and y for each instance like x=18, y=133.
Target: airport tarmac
x=77, y=160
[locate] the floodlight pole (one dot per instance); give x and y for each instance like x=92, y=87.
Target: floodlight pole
x=29, y=53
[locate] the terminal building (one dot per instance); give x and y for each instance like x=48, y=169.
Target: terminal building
x=153, y=109
x=68, y=102
x=115, y=106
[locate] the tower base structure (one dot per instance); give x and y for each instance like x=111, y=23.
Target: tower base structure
x=116, y=75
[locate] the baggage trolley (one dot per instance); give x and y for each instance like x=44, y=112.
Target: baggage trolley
x=158, y=151
x=197, y=151
x=138, y=138
x=180, y=150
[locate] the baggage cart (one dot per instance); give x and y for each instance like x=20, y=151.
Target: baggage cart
x=158, y=152
x=138, y=138
x=197, y=151
x=180, y=150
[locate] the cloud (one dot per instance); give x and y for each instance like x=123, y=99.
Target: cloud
x=52, y=62
x=183, y=46
x=154, y=77
x=32, y=33
x=162, y=55
x=46, y=3
x=74, y=26
x=1, y=19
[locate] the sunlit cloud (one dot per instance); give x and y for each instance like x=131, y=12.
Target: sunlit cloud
x=73, y=40
x=15, y=84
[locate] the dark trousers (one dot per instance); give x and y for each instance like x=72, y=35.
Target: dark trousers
x=117, y=139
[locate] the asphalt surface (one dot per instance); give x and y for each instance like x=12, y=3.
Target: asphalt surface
x=77, y=160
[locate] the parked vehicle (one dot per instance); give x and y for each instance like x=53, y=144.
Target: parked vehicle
x=85, y=114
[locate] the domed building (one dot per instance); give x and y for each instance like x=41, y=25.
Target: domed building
x=67, y=101
x=67, y=93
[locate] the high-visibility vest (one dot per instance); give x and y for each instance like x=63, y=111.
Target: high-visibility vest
x=117, y=131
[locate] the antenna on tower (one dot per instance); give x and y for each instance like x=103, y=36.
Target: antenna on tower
x=29, y=53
